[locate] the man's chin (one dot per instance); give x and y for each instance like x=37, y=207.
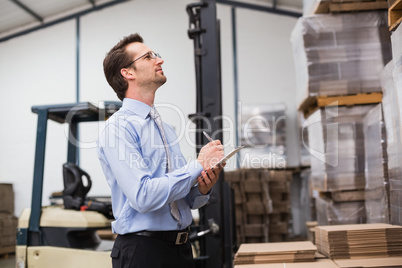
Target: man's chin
x=160, y=82
x=163, y=80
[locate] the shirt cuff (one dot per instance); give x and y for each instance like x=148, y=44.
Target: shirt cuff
x=194, y=169
x=198, y=199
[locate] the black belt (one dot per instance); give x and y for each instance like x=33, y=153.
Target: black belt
x=177, y=237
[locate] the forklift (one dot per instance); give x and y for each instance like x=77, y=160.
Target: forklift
x=65, y=236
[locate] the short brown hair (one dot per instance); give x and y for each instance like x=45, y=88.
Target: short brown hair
x=116, y=59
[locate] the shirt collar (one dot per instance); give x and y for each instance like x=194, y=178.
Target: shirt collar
x=137, y=107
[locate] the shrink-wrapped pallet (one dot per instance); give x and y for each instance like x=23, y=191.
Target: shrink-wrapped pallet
x=263, y=134
x=392, y=110
x=393, y=119
x=336, y=143
x=333, y=213
x=376, y=167
x=396, y=41
x=340, y=54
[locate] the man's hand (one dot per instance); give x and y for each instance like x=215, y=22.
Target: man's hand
x=208, y=179
x=210, y=154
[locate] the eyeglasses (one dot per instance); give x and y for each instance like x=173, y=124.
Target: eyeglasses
x=149, y=54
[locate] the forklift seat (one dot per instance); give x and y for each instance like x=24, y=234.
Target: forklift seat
x=75, y=192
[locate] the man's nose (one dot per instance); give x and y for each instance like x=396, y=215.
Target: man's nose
x=159, y=61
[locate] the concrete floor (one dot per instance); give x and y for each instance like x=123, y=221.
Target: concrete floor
x=7, y=262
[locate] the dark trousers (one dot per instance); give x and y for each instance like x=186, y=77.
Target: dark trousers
x=135, y=251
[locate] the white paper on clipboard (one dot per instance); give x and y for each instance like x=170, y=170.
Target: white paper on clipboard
x=225, y=158
x=229, y=155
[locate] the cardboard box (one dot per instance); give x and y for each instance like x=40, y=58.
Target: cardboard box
x=6, y=198
x=8, y=229
x=317, y=264
x=275, y=253
x=371, y=262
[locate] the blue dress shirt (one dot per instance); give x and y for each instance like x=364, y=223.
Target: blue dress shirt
x=133, y=159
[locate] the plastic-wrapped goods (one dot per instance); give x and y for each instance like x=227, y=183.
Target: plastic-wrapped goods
x=396, y=41
x=392, y=114
x=303, y=139
x=392, y=109
x=377, y=205
x=395, y=153
x=395, y=169
x=302, y=202
x=333, y=213
x=340, y=54
x=395, y=200
x=376, y=168
x=263, y=133
x=336, y=144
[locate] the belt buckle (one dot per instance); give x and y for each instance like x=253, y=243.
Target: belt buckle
x=181, y=238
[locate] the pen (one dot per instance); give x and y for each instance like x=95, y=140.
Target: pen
x=207, y=136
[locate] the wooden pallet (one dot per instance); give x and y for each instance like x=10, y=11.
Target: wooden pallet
x=345, y=196
x=322, y=7
x=357, y=6
x=6, y=251
x=395, y=15
x=354, y=1
x=337, y=6
x=312, y=103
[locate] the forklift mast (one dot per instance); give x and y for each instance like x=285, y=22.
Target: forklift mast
x=204, y=30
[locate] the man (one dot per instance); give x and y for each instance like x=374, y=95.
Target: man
x=152, y=185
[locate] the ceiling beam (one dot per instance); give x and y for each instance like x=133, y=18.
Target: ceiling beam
x=59, y=20
x=28, y=10
x=92, y=2
x=260, y=8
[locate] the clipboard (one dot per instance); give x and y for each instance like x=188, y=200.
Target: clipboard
x=224, y=159
x=229, y=155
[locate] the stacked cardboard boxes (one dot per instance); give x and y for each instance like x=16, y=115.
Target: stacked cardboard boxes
x=285, y=252
x=279, y=190
x=8, y=222
x=317, y=264
x=367, y=242
x=337, y=168
x=340, y=58
x=340, y=54
x=252, y=205
x=262, y=204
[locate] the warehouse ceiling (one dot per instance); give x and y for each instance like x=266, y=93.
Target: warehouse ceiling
x=18, y=17
x=290, y=5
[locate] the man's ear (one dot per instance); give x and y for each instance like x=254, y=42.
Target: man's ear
x=127, y=73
